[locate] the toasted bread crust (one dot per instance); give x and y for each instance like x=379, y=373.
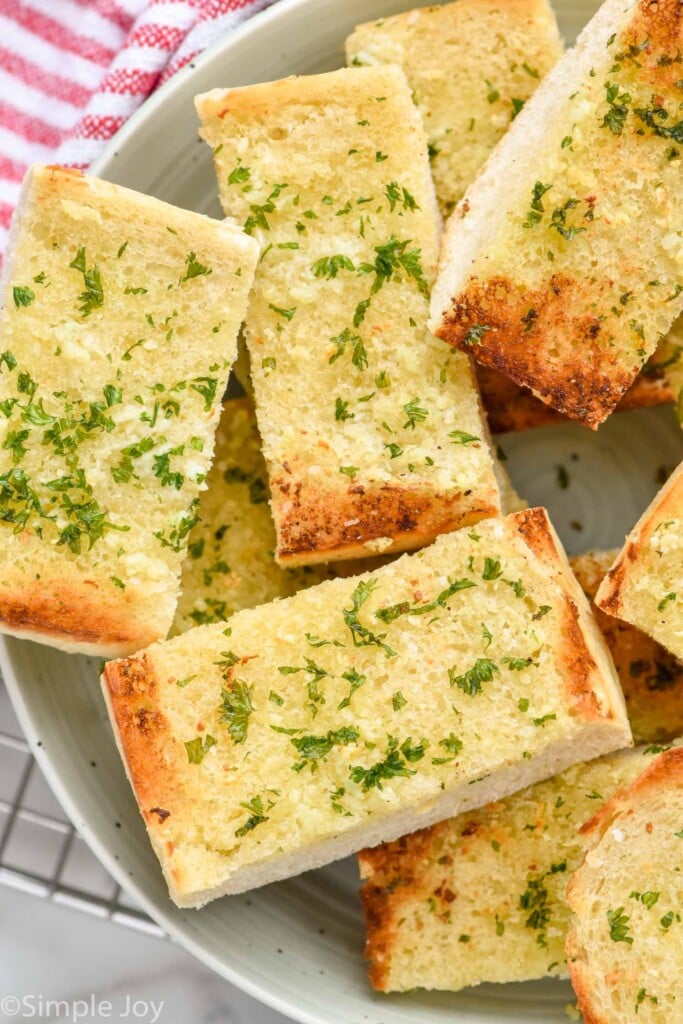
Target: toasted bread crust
x=660, y=22
x=75, y=615
x=510, y=407
x=132, y=688
x=315, y=526
x=586, y=386
x=384, y=865
x=579, y=661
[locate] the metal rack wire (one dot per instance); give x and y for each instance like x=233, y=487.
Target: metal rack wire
x=40, y=851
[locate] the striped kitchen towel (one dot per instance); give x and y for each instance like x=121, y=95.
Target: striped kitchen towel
x=73, y=71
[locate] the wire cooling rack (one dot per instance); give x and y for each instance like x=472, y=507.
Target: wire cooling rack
x=40, y=851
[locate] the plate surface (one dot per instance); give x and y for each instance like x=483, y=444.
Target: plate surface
x=298, y=945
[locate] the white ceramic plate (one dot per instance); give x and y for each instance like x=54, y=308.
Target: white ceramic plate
x=298, y=945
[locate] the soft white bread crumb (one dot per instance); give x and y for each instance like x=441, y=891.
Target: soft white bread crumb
x=118, y=330
x=300, y=732
x=566, y=277
x=371, y=428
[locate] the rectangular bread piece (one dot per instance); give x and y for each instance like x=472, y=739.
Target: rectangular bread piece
x=471, y=65
x=644, y=585
x=230, y=563
x=481, y=897
x=372, y=430
x=301, y=732
x=651, y=678
x=567, y=277
x=117, y=334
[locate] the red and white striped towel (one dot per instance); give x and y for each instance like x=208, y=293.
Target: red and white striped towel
x=73, y=71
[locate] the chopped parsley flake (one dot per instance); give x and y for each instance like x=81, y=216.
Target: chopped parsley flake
x=329, y=266
x=396, y=193
x=452, y=746
x=256, y=816
x=356, y=680
x=361, y=635
x=618, y=101
x=462, y=437
x=341, y=411
x=619, y=926
x=475, y=334
x=313, y=749
x=236, y=708
x=395, y=763
x=415, y=413
x=286, y=313
x=405, y=608
x=398, y=701
x=535, y=214
x=198, y=748
x=359, y=356
x=470, y=681
x=239, y=175
x=22, y=296
x=492, y=569
x=93, y=295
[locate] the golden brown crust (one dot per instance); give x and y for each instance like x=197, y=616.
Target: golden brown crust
x=318, y=526
x=660, y=22
x=77, y=611
x=145, y=737
x=510, y=407
x=586, y=384
x=577, y=659
x=393, y=878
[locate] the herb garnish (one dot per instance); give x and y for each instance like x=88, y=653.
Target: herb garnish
x=257, y=816
x=361, y=635
x=236, y=707
x=198, y=748
x=22, y=296
x=93, y=296
x=619, y=926
x=312, y=749
x=405, y=608
x=470, y=681
x=395, y=763
x=356, y=680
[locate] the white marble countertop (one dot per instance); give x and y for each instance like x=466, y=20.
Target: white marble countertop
x=105, y=971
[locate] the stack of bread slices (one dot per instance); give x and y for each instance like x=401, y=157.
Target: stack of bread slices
x=462, y=715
